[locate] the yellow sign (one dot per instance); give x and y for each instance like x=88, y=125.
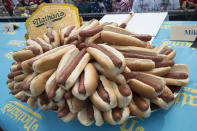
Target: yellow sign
x=59, y=15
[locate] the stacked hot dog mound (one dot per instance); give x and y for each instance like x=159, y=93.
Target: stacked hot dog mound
x=96, y=72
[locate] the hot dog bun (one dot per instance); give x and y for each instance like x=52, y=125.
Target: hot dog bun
x=82, y=57
x=89, y=82
x=140, y=106
x=54, y=94
x=37, y=86
x=177, y=68
x=108, y=116
x=84, y=119
x=107, y=62
x=123, y=94
x=98, y=101
x=50, y=59
x=147, y=85
x=52, y=37
x=117, y=78
x=165, y=100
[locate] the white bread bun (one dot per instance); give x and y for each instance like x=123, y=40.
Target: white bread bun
x=178, y=68
x=122, y=100
x=113, y=38
x=37, y=86
x=137, y=112
x=164, y=47
x=90, y=82
x=136, y=50
x=145, y=89
x=83, y=117
x=59, y=93
x=99, y=102
x=106, y=62
x=136, y=64
x=109, y=117
x=159, y=71
x=56, y=42
x=163, y=104
x=116, y=78
x=75, y=105
x=32, y=102
x=50, y=59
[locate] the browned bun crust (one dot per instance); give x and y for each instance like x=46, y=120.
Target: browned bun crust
x=145, y=89
x=99, y=102
x=159, y=71
x=59, y=92
x=161, y=103
x=50, y=59
x=164, y=47
x=26, y=67
x=113, y=38
x=75, y=105
x=83, y=117
x=122, y=100
x=64, y=63
x=117, y=78
x=56, y=36
x=90, y=82
x=140, y=64
x=106, y=62
x=137, y=112
x=37, y=86
x=23, y=55
x=178, y=68
x=32, y=102
x=109, y=117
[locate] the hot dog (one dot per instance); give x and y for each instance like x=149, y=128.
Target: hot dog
x=65, y=114
x=71, y=66
x=52, y=89
x=140, y=106
x=52, y=37
x=123, y=94
x=119, y=36
x=49, y=59
x=165, y=100
x=87, y=83
x=39, y=42
x=165, y=51
x=147, y=85
x=16, y=67
x=178, y=75
x=117, y=78
x=90, y=114
x=75, y=105
x=112, y=59
x=117, y=115
x=44, y=103
x=104, y=98
x=35, y=84
x=65, y=33
x=27, y=53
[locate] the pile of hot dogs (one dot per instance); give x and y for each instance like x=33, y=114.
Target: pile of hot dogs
x=96, y=72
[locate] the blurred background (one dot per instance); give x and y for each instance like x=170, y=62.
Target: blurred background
x=19, y=10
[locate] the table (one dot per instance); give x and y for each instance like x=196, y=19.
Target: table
x=15, y=115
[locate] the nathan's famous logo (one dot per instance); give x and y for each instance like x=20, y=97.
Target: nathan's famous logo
x=22, y=115
x=188, y=96
x=38, y=22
